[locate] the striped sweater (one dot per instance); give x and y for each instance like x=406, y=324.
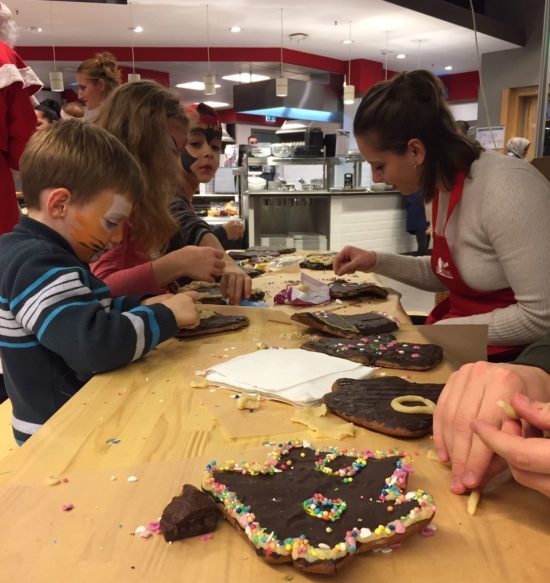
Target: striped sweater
x=59, y=325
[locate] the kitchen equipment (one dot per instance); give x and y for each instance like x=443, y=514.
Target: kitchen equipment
x=281, y=150
x=256, y=183
x=261, y=150
x=348, y=181
x=380, y=186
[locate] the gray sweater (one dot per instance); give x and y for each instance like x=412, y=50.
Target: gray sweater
x=498, y=236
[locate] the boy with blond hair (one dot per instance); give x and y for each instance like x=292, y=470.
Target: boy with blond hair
x=58, y=323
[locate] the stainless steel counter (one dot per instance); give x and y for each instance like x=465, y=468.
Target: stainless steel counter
x=331, y=192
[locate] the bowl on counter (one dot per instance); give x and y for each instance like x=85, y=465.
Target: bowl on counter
x=261, y=150
x=281, y=150
x=379, y=186
x=256, y=183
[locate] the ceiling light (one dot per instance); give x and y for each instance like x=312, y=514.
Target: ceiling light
x=245, y=77
x=137, y=28
x=194, y=85
x=216, y=104
x=235, y=29
x=449, y=68
x=34, y=28
x=401, y=56
x=348, y=41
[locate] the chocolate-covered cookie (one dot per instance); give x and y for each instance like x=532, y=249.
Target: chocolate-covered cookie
x=214, y=323
x=380, y=350
x=319, y=508
x=318, y=261
x=367, y=402
x=345, y=289
x=347, y=326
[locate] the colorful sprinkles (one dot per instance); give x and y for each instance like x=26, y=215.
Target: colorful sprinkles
x=298, y=547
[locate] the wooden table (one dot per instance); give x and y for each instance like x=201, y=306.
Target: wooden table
x=166, y=438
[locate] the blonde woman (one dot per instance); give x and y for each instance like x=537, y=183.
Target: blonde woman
x=149, y=121
x=97, y=78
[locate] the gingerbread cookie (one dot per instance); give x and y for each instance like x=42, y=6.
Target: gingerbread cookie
x=211, y=293
x=318, y=261
x=342, y=289
x=348, y=326
x=381, y=350
x=213, y=323
x=319, y=508
x=367, y=402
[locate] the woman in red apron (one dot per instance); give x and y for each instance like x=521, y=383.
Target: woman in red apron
x=499, y=210
x=463, y=300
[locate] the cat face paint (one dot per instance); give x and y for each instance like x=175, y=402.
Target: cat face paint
x=96, y=226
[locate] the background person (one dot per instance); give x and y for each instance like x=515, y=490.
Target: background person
x=97, y=78
x=517, y=147
x=490, y=215
x=44, y=116
x=18, y=84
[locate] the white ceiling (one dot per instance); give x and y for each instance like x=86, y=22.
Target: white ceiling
x=376, y=26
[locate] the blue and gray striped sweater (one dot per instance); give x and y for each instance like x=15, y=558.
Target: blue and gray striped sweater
x=59, y=325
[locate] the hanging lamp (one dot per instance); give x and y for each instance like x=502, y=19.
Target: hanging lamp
x=209, y=79
x=349, y=89
x=281, y=83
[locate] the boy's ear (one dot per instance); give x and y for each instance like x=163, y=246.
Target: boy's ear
x=57, y=203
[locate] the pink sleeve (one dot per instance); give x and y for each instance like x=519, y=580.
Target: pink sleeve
x=126, y=271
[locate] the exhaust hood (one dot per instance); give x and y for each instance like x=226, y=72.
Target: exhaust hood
x=306, y=100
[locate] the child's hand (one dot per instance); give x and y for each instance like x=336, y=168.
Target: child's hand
x=201, y=263
x=156, y=299
x=234, y=230
x=184, y=308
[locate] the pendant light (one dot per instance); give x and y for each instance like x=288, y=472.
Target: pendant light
x=133, y=76
x=209, y=79
x=56, y=77
x=281, y=83
x=349, y=89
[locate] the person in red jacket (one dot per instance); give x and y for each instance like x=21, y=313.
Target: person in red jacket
x=17, y=118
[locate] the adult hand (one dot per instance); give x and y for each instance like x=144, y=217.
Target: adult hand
x=234, y=230
x=352, y=259
x=201, y=263
x=235, y=285
x=184, y=308
x=527, y=458
x=471, y=394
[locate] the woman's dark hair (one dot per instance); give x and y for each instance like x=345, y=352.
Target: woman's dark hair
x=413, y=105
x=52, y=104
x=47, y=112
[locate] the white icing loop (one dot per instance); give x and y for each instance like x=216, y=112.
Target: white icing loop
x=427, y=407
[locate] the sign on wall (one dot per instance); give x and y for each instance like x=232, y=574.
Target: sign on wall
x=491, y=138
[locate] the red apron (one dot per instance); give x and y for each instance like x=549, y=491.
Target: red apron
x=463, y=300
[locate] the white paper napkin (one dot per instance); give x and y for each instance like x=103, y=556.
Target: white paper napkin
x=291, y=375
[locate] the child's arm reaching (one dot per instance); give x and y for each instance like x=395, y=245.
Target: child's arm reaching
x=71, y=313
